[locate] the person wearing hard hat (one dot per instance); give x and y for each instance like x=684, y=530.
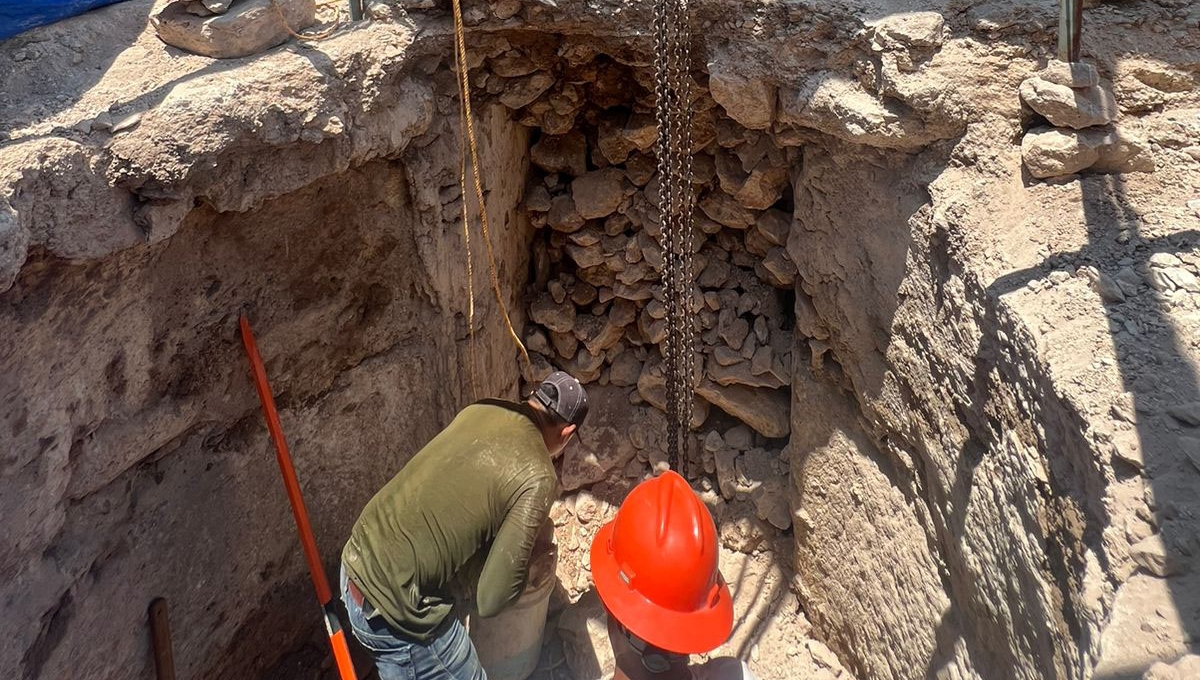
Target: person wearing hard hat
x=466, y=511
x=655, y=569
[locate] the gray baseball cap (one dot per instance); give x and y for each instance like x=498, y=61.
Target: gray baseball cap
x=562, y=394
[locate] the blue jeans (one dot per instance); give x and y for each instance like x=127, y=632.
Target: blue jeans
x=448, y=656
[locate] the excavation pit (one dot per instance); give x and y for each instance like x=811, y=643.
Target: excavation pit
x=946, y=410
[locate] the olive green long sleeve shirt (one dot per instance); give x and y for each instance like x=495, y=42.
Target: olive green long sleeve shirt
x=485, y=483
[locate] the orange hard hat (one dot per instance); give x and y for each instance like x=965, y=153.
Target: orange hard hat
x=655, y=568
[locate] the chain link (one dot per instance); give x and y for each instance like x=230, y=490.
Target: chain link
x=673, y=116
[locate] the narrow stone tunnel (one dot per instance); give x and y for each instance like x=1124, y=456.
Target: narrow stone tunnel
x=921, y=423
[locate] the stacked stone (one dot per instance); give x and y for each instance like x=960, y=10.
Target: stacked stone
x=598, y=306
x=1081, y=134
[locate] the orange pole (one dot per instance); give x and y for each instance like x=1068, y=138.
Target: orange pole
x=337, y=637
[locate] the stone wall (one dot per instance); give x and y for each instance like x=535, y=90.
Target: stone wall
x=595, y=299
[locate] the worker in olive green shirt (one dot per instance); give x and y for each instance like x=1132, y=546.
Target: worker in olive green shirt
x=473, y=500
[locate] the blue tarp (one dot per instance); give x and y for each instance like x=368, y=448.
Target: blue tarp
x=17, y=15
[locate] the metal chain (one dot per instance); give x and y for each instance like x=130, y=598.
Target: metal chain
x=673, y=115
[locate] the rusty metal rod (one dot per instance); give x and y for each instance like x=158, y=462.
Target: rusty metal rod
x=1070, y=24
x=160, y=636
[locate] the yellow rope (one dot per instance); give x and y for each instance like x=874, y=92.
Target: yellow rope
x=464, y=92
x=462, y=188
x=301, y=36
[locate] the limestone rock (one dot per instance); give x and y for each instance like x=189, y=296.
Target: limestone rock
x=217, y=6
x=521, y=92
x=565, y=344
x=536, y=341
x=565, y=153
x=1064, y=106
x=600, y=333
x=714, y=274
x=641, y=131
x=537, y=198
x=1188, y=666
x=597, y=194
x=739, y=527
x=763, y=187
x=250, y=27
x=625, y=370
x=761, y=361
x=586, y=257
x=759, y=473
x=739, y=437
x=910, y=29
x=725, y=210
x=767, y=411
x=750, y=102
x=512, y=64
x=640, y=169
x=1161, y=671
x=611, y=141
x=713, y=442
x=603, y=444
x=741, y=373
x=840, y=106
x=775, y=225
x=725, y=356
x=733, y=329
x=583, y=293
x=780, y=268
x=539, y=368
x=563, y=216
x=652, y=386
x=388, y=11
x=559, y=318
x=1051, y=152
x=586, y=366
x=1075, y=75
x=1153, y=555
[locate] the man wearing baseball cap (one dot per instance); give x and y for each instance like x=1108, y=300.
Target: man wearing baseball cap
x=468, y=507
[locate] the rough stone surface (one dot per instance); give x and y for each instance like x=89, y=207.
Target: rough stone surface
x=1053, y=152
x=750, y=102
x=1078, y=74
x=1064, y=106
x=911, y=29
x=597, y=194
x=765, y=410
x=603, y=445
x=251, y=27
x=566, y=153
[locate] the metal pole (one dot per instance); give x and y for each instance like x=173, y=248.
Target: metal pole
x=1070, y=22
x=160, y=636
x=356, y=10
